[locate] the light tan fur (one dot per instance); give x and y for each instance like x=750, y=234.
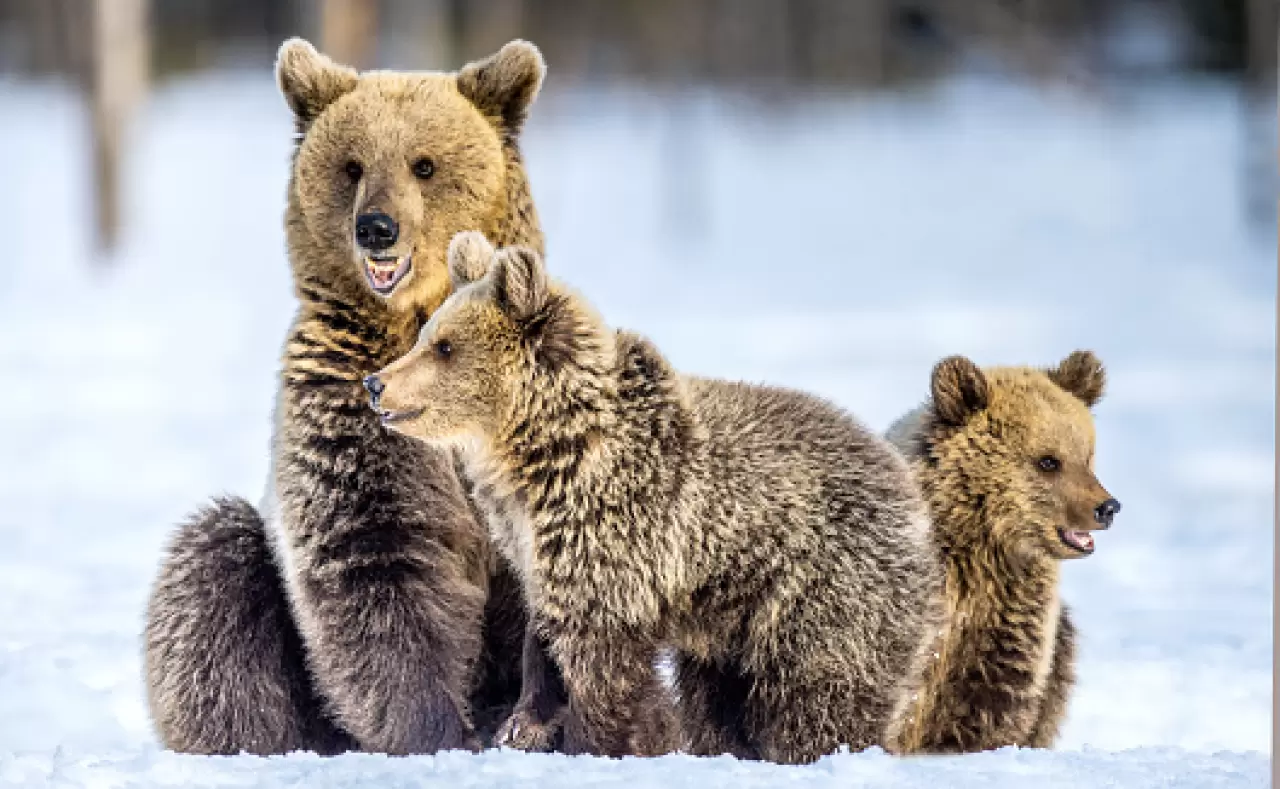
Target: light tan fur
x=1005, y=458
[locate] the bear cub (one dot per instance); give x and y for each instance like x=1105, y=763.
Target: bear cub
x=775, y=544
x=1004, y=458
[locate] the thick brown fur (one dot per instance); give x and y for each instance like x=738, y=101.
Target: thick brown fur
x=382, y=619
x=225, y=545
x=774, y=543
x=1004, y=661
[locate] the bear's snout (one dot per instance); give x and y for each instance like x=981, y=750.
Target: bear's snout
x=1105, y=512
x=376, y=231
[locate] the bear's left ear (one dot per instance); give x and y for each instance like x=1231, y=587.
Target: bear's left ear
x=505, y=84
x=959, y=389
x=310, y=81
x=470, y=254
x=521, y=286
x=1082, y=375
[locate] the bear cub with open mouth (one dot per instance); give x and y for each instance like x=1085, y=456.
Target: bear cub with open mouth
x=1004, y=457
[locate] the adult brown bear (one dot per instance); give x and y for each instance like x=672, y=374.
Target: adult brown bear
x=362, y=607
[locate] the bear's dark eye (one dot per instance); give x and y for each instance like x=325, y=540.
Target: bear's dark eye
x=354, y=170
x=424, y=168
x=1049, y=463
x=443, y=348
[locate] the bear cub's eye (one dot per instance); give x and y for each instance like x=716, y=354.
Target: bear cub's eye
x=443, y=349
x=354, y=170
x=1049, y=463
x=424, y=168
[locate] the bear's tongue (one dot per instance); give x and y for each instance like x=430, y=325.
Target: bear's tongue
x=1080, y=540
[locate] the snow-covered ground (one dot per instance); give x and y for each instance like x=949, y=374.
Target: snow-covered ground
x=837, y=245
x=1147, y=768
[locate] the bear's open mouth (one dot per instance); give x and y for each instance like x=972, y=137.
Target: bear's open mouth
x=392, y=417
x=384, y=273
x=1077, y=540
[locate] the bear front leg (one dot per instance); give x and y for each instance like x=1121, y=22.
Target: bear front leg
x=392, y=659
x=1057, y=692
x=609, y=679
x=389, y=594
x=496, y=681
x=537, y=721
x=988, y=703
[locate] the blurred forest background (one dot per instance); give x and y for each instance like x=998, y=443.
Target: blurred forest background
x=773, y=50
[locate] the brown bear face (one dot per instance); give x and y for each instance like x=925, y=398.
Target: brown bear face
x=1018, y=444
x=390, y=166
x=503, y=335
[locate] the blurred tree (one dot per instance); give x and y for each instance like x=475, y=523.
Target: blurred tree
x=349, y=30
x=117, y=85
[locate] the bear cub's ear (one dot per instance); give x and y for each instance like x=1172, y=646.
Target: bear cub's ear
x=1081, y=374
x=310, y=81
x=469, y=256
x=959, y=390
x=505, y=84
x=520, y=282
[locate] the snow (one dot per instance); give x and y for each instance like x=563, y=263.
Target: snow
x=835, y=244
x=1135, y=769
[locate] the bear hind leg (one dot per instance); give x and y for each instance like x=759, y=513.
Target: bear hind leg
x=225, y=667
x=805, y=716
x=713, y=707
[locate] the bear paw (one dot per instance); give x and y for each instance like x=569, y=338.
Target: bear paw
x=526, y=731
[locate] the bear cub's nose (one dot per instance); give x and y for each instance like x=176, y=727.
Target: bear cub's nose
x=376, y=387
x=376, y=231
x=1105, y=512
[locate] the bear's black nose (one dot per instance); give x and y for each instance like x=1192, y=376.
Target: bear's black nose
x=376, y=231
x=375, y=386
x=1105, y=512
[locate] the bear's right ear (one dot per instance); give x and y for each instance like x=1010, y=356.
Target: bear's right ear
x=469, y=256
x=521, y=286
x=1081, y=374
x=505, y=84
x=310, y=81
x=959, y=390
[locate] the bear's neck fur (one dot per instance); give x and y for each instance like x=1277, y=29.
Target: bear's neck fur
x=1002, y=608
x=990, y=662
x=334, y=300
x=572, y=432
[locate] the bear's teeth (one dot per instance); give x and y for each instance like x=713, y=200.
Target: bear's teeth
x=384, y=273
x=379, y=267
x=1080, y=539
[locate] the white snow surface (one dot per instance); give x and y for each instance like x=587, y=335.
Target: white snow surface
x=1134, y=769
x=836, y=244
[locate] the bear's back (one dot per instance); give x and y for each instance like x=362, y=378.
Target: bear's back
x=792, y=456
x=776, y=429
